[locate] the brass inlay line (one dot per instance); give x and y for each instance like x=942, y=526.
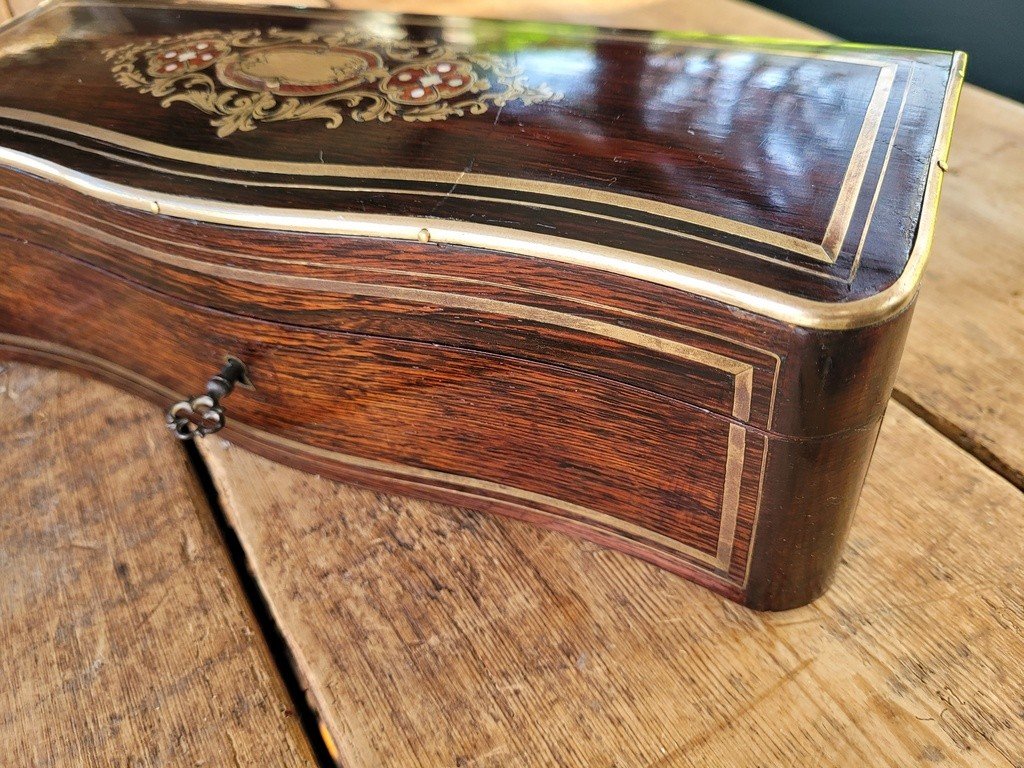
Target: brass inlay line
x=731, y=495
x=741, y=372
x=743, y=391
x=881, y=175
x=729, y=290
x=631, y=531
x=826, y=251
x=853, y=180
x=733, y=291
x=453, y=179
x=449, y=193
x=902, y=291
x=411, y=273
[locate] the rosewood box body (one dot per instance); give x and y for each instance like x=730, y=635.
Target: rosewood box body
x=646, y=288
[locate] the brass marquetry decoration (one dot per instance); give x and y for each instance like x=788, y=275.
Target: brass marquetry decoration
x=247, y=77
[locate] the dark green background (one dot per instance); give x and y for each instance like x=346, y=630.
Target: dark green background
x=991, y=31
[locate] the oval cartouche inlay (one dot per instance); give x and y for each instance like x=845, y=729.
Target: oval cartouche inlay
x=244, y=78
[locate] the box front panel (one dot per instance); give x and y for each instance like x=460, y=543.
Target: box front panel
x=637, y=469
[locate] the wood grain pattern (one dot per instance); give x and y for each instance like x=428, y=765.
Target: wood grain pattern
x=532, y=406
x=971, y=299
x=657, y=477
x=972, y=296
x=868, y=676
x=908, y=661
x=774, y=193
x=587, y=320
x=435, y=636
x=964, y=360
x=126, y=637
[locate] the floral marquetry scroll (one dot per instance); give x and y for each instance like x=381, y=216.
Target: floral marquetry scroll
x=244, y=78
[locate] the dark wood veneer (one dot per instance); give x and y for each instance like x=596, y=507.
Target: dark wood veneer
x=772, y=152
x=708, y=438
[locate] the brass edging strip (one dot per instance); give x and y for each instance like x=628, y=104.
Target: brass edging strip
x=902, y=292
x=826, y=251
x=452, y=178
x=741, y=372
x=742, y=395
x=743, y=392
x=733, y=291
x=726, y=289
x=607, y=522
x=411, y=273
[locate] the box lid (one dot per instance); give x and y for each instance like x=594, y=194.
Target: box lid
x=796, y=181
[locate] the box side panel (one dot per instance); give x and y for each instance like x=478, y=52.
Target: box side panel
x=835, y=381
x=811, y=490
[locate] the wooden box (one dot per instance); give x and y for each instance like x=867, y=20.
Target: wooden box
x=646, y=288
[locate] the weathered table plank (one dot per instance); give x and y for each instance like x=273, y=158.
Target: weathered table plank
x=433, y=636
x=126, y=637
x=964, y=362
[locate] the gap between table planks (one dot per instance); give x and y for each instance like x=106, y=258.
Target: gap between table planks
x=126, y=637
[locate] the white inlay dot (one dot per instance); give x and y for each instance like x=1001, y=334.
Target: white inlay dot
x=417, y=93
x=170, y=54
x=455, y=82
x=202, y=46
x=442, y=68
x=429, y=80
x=405, y=77
x=171, y=67
x=206, y=57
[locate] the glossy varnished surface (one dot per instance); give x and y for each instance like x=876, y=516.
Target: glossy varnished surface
x=572, y=303
x=797, y=168
x=657, y=457
x=537, y=436
x=907, y=660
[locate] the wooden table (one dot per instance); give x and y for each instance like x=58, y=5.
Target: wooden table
x=431, y=636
